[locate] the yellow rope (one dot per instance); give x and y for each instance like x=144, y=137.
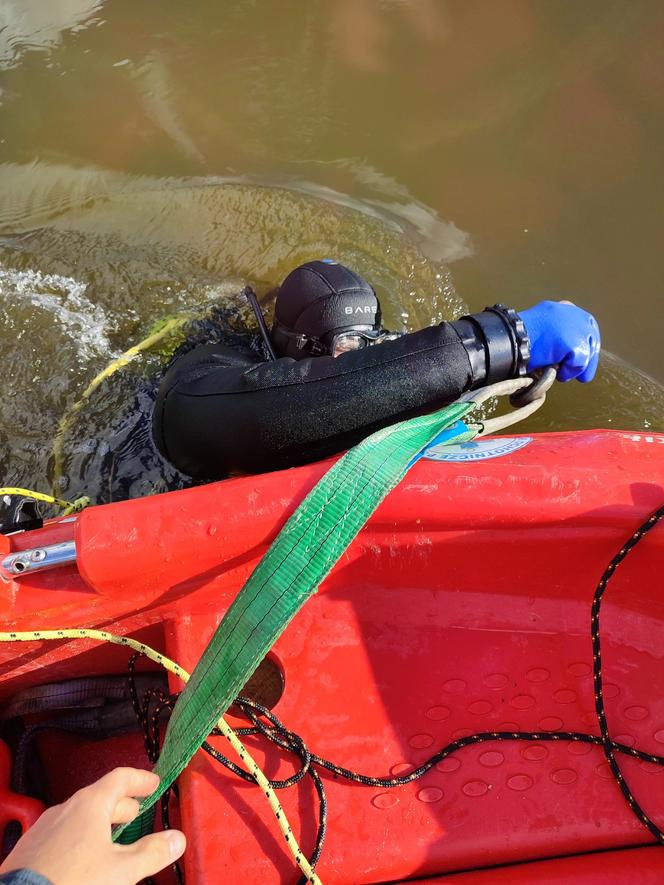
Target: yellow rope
x=123, y=360
x=68, y=507
x=224, y=728
x=119, y=363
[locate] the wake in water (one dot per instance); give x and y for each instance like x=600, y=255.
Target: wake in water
x=63, y=301
x=51, y=335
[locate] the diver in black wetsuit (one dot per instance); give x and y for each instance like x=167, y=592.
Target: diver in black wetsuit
x=336, y=375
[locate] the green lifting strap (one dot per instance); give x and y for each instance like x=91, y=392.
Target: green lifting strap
x=302, y=555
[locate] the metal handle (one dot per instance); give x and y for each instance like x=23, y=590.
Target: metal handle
x=37, y=559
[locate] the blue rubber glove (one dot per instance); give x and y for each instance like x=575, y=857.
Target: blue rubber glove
x=562, y=334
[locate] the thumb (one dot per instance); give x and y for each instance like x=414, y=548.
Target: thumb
x=151, y=854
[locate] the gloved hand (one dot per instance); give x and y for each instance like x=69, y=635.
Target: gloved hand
x=562, y=334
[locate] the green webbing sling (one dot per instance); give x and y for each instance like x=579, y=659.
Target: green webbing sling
x=306, y=549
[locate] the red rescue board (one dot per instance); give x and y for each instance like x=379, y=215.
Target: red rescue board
x=463, y=606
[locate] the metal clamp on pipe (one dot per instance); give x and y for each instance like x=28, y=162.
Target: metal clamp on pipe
x=37, y=559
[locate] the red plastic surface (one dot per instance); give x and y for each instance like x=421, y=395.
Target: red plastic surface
x=14, y=806
x=636, y=866
x=463, y=606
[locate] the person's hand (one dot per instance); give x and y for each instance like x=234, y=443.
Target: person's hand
x=71, y=843
x=565, y=335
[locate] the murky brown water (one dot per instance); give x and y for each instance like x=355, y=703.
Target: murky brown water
x=153, y=156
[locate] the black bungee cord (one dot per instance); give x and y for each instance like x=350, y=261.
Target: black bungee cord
x=265, y=722
x=149, y=721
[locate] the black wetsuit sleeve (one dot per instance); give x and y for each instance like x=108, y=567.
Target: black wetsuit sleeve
x=218, y=412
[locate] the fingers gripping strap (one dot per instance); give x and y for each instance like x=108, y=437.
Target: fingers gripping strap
x=309, y=545
x=143, y=824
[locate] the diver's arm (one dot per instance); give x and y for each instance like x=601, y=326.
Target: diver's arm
x=212, y=417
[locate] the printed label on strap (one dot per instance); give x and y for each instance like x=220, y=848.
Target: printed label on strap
x=477, y=450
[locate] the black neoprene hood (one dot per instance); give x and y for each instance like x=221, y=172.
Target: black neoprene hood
x=319, y=299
